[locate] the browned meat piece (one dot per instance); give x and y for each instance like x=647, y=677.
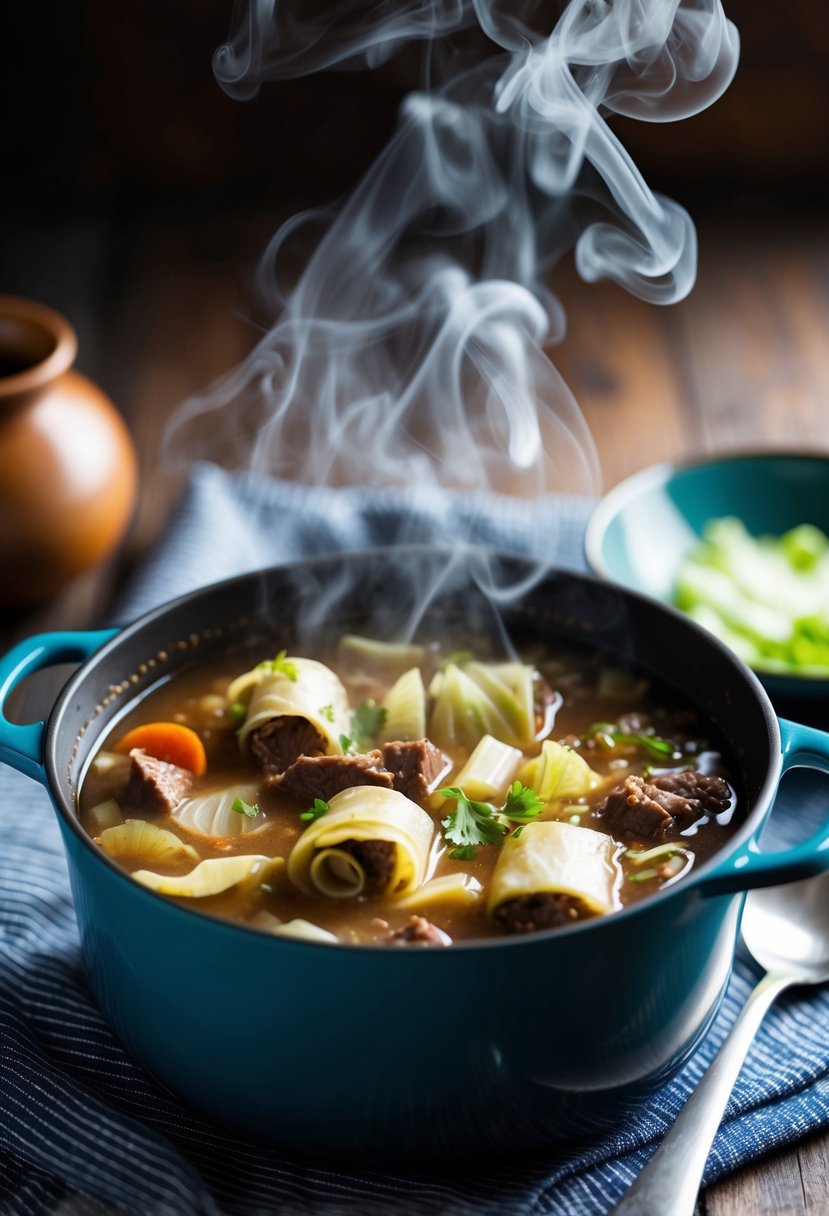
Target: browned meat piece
x=543, y=910
x=278, y=743
x=324, y=776
x=377, y=859
x=645, y=810
x=635, y=810
x=418, y=931
x=416, y=767
x=155, y=787
x=705, y=795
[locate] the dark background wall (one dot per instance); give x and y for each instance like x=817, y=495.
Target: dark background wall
x=113, y=106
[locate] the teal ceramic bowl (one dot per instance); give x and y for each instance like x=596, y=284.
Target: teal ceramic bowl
x=373, y=1052
x=644, y=527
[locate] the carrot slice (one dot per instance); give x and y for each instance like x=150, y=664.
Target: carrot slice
x=168, y=741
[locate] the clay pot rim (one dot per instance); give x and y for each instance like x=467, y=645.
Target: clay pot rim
x=46, y=320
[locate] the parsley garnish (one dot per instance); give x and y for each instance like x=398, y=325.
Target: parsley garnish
x=470, y=824
x=251, y=809
x=522, y=804
x=347, y=745
x=476, y=823
x=319, y=808
x=367, y=721
x=280, y=666
x=327, y=712
x=237, y=712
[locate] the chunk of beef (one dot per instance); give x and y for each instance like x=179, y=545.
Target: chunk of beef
x=542, y=910
x=704, y=793
x=324, y=776
x=633, y=809
x=377, y=860
x=278, y=743
x=155, y=786
x=416, y=767
x=645, y=810
x=418, y=931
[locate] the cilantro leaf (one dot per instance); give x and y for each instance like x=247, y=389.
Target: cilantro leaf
x=347, y=745
x=319, y=808
x=251, y=809
x=522, y=804
x=327, y=712
x=367, y=721
x=470, y=824
x=280, y=666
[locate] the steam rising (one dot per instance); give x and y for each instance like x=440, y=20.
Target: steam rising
x=412, y=348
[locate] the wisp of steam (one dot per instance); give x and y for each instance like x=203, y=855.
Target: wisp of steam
x=412, y=349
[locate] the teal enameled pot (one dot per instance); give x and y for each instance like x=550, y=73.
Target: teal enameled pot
x=384, y=1052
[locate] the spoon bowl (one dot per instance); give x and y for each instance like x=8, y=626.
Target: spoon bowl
x=786, y=929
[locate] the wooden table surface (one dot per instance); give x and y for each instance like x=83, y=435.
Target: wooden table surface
x=743, y=363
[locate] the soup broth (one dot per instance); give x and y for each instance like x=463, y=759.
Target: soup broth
x=399, y=795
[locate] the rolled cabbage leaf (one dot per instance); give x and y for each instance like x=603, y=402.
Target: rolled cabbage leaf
x=319, y=864
x=558, y=859
x=213, y=814
x=558, y=772
x=295, y=687
x=213, y=876
x=137, y=840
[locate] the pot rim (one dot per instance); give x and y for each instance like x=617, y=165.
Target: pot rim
x=34, y=316
x=753, y=819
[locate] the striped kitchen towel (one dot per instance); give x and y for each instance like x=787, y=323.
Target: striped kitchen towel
x=85, y=1132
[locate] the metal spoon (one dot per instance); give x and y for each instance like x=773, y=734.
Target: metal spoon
x=787, y=931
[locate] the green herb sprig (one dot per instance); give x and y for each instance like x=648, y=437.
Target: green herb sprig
x=251, y=809
x=280, y=666
x=319, y=808
x=660, y=749
x=367, y=721
x=474, y=823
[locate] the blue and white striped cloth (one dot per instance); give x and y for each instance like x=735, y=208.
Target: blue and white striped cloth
x=84, y=1132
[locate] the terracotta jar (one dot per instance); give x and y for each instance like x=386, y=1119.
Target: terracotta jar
x=67, y=464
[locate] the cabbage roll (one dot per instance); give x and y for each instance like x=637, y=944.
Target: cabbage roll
x=371, y=841
x=553, y=874
x=304, y=697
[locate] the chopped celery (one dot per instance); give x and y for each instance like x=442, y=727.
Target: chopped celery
x=765, y=597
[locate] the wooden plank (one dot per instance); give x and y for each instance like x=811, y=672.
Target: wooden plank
x=772, y=1186
x=813, y=1156
x=756, y=325
x=624, y=362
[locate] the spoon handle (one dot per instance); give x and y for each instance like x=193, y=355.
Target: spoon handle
x=670, y=1181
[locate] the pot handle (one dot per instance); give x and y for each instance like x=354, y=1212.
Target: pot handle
x=22, y=746
x=802, y=747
